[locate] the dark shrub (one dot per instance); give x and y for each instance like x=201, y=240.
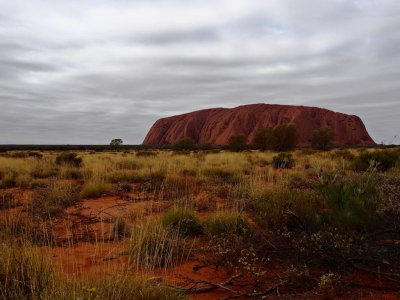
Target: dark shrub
x=382, y=160
x=144, y=153
x=237, y=142
x=283, y=161
x=260, y=139
x=35, y=154
x=283, y=137
x=69, y=158
x=184, y=144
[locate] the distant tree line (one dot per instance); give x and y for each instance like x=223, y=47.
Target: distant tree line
x=279, y=138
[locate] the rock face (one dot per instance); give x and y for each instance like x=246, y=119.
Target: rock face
x=217, y=125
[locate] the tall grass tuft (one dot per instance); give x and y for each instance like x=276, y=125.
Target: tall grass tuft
x=152, y=246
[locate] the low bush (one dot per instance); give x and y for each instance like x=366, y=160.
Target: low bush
x=226, y=223
x=382, y=160
x=351, y=202
x=283, y=161
x=69, y=158
x=182, y=220
x=96, y=190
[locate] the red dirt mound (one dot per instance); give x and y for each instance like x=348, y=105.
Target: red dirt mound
x=216, y=125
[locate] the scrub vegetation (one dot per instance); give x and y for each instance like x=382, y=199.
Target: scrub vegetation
x=167, y=224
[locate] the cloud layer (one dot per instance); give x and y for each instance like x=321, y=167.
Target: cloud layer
x=88, y=71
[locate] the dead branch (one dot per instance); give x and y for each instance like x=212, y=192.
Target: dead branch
x=210, y=286
x=253, y=295
x=391, y=276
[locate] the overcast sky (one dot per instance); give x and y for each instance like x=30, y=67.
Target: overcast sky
x=87, y=71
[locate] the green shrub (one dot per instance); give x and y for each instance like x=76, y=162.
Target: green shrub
x=226, y=223
x=183, y=220
x=52, y=200
x=96, y=190
x=283, y=161
x=322, y=138
x=69, y=158
x=351, y=202
x=382, y=160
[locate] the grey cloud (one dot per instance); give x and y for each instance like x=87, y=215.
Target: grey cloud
x=92, y=87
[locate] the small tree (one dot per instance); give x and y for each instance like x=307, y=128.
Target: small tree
x=283, y=137
x=322, y=138
x=237, y=142
x=260, y=139
x=186, y=143
x=116, y=142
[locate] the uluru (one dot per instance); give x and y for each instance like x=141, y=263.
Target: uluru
x=217, y=125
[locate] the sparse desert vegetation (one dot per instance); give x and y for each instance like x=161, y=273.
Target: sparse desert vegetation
x=170, y=224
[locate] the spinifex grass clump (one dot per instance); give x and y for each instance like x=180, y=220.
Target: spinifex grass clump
x=96, y=190
x=7, y=200
x=152, y=246
x=296, y=209
x=52, y=200
x=183, y=220
x=8, y=180
x=24, y=274
x=226, y=223
x=283, y=161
